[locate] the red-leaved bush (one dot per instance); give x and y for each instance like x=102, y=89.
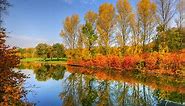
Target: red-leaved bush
x=167, y=62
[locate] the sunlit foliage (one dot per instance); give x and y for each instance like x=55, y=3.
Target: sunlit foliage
x=124, y=19
x=69, y=33
x=105, y=24
x=127, y=38
x=146, y=11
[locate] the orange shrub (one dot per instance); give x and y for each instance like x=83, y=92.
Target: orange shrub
x=167, y=63
x=89, y=63
x=151, y=61
x=101, y=61
x=128, y=62
x=114, y=61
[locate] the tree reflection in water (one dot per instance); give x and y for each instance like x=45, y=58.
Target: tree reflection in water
x=92, y=88
x=95, y=87
x=45, y=72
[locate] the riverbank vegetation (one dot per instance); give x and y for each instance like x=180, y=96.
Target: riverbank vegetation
x=127, y=38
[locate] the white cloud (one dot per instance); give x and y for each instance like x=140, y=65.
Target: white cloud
x=24, y=41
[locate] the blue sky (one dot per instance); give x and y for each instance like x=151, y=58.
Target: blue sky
x=32, y=21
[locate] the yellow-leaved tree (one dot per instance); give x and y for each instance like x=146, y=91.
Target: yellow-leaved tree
x=91, y=17
x=147, y=18
x=70, y=35
x=123, y=18
x=105, y=24
x=69, y=32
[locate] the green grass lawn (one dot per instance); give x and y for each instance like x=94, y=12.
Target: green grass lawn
x=48, y=60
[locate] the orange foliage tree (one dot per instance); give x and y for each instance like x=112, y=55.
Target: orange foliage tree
x=11, y=91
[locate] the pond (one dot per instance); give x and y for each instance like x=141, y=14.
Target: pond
x=56, y=85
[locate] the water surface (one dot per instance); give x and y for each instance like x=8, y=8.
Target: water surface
x=56, y=85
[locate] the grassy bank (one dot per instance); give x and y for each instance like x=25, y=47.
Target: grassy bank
x=47, y=60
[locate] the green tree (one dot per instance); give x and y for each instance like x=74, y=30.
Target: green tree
x=172, y=39
x=90, y=36
x=58, y=50
x=22, y=51
x=42, y=50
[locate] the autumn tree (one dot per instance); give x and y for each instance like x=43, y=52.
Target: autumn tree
x=30, y=52
x=124, y=17
x=11, y=89
x=8, y=56
x=135, y=31
x=146, y=14
x=105, y=24
x=91, y=17
x=80, y=38
x=70, y=31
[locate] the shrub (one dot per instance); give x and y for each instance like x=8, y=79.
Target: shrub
x=169, y=63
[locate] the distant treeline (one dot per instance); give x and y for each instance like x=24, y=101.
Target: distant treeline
x=43, y=50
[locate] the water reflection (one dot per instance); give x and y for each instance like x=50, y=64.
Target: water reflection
x=45, y=72
x=109, y=88
x=88, y=87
